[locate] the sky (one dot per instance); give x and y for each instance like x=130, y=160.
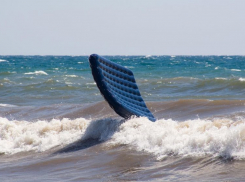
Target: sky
x=122, y=27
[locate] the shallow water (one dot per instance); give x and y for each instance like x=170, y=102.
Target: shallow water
x=54, y=124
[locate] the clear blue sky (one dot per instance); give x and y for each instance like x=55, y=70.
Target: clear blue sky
x=122, y=27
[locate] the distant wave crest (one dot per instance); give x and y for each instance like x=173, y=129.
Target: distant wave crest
x=37, y=73
x=2, y=60
x=7, y=105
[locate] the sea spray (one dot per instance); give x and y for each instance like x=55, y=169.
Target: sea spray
x=22, y=136
x=219, y=137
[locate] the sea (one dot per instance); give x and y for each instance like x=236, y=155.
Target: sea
x=56, y=126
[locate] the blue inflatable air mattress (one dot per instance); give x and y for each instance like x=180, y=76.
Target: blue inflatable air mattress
x=117, y=84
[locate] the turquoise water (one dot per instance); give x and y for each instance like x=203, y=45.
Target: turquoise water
x=40, y=80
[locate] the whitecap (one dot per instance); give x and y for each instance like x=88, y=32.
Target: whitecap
x=2, y=60
x=68, y=83
x=242, y=79
x=219, y=137
x=235, y=70
x=72, y=76
x=37, y=73
x=91, y=83
x=22, y=136
x=192, y=138
x=7, y=105
x=220, y=78
x=129, y=67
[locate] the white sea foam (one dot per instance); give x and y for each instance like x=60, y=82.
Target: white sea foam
x=68, y=83
x=2, y=60
x=235, y=70
x=220, y=78
x=91, y=83
x=22, y=136
x=72, y=76
x=37, y=73
x=219, y=137
x=7, y=105
x=242, y=79
x=190, y=138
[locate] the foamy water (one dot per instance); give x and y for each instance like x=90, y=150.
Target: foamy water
x=199, y=102
x=37, y=73
x=2, y=60
x=219, y=137
x=242, y=79
x=23, y=136
x=7, y=105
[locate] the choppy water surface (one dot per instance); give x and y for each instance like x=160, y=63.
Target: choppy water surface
x=54, y=124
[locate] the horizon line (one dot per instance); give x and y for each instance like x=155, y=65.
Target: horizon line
x=148, y=55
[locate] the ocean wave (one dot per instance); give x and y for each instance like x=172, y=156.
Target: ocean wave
x=7, y=105
x=23, y=136
x=91, y=83
x=72, y=76
x=198, y=83
x=220, y=78
x=235, y=70
x=37, y=73
x=2, y=60
x=230, y=83
x=6, y=73
x=191, y=138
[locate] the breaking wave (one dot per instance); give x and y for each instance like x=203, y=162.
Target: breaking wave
x=22, y=136
x=194, y=138
x=2, y=60
x=37, y=73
